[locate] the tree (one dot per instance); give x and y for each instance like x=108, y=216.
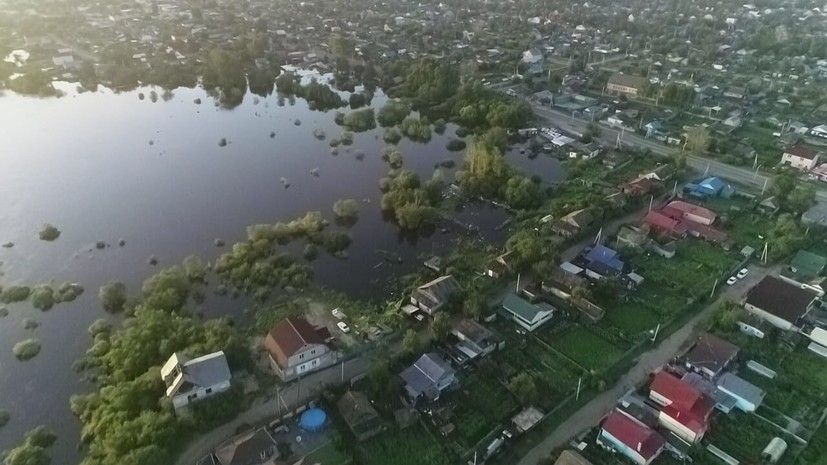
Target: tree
x=113, y=296
x=522, y=193
x=697, y=139
x=727, y=317
x=393, y=113
x=359, y=120
x=346, y=208
x=440, y=326
x=524, y=388
x=168, y=289
x=473, y=305
x=195, y=268
x=527, y=247
x=410, y=342
x=785, y=236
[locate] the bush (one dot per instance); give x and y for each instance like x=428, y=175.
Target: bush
x=455, y=145
x=392, y=136
x=27, y=349
x=113, y=296
x=415, y=129
x=392, y=113
x=311, y=252
x=41, y=437
x=13, y=294
x=440, y=126
x=27, y=454
x=346, y=137
x=67, y=292
x=43, y=297
x=99, y=326
x=360, y=120
x=49, y=233
x=346, y=208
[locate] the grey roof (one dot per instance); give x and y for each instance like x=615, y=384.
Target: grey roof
x=723, y=400
x=182, y=375
x=438, y=291
x=425, y=373
x=628, y=80
x=742, y=388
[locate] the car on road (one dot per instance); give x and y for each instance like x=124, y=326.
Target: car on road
x=732, y=280
x=338, y=313
x=743, y=273
x=343, y=327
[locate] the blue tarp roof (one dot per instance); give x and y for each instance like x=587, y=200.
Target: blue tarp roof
x=606, y=256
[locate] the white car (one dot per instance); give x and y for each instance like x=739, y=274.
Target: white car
x=343, y=327
x=741, y=274
x=419, y=317
x=732, y=280
x=337, y=312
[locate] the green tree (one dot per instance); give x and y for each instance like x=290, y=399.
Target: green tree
x=697, y=139
x=410, y=342
x=524, y=388
x=474, y=304
x=522, y=193
x=195, y=268
x=440, y=326
x=393, y=113
x=346, y=208
x=527, y=247
x=113, y=296
x=168, y=289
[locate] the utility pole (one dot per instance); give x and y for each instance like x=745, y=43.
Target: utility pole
x=655, y=336
x=343, y=372
x=675, y=189
x=765, y=185
x=714, y=286
x=579, y=383
x=651, y=199
x=518, y=283
x=764, y=253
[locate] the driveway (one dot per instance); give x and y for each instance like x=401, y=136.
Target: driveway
x=593, y=412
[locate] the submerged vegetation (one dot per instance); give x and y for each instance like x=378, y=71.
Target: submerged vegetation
x=49, y=233
x=26, y=349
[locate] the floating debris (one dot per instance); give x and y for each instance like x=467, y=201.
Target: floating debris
x=315, y=172
x=285, y=182
x=272, y=134
x=318, y=133
x=153, y=260
x=30, y=324
x=121, y=242
x=298, y=122
x=334, y=151
x=218, y=242
x=49, y=233
x=389, y=256
x=222, y=142
x=100, y=245
x=141, y=96
x=8, y=245
x=151, y=142
x=197, y=101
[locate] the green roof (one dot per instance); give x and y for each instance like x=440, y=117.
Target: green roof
x=807, y=263
x=523, y=308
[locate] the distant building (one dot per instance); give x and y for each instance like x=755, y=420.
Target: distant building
x=625, y=84
x=191, y=380
x=527, y=315
x=779, y=303
x=532, y=56
x=691, y=212
x=295, y=348
x=800, y=157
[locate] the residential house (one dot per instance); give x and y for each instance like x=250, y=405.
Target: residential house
x=613, y=159
x=571, y=224
x=723, y=401
x=601, y=261
x=499, y=267
x=359, y=415
x=295, y=348
x=532, y=56
x=736, y=93
x=625, y=84
x=432, y=296
x=654, y=128
x=475, y=340
x=661, y=173
x=631, y=438
x=526, y=314
x=819, y=131
x=254, y=447
x=748, y=397
x=562, y=283
x=428, y=377
x=663, y=225
x=800, y=157
x=710, y=355
x=710, y=187
x=679, y=209
x=779, y=303
x=630, y=236
x=817, y=214
x=570, y=457
x=806, y=269
x=191, y=380
x=685, y=410
x=637, y=188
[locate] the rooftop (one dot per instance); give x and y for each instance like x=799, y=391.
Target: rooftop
x=780, y=298
x=523, y=308
x=633, y=434
x=711, y=353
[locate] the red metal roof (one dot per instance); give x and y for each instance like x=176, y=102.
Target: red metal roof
x=801, y=152
x=634, y=434
x=689, y=406
x=690, y=208
x=659, y=220
x=289, y=336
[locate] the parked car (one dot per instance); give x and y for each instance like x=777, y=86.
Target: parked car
x=741, y=274
x=343, y=327
x=732, y=280
x=419, y=317
x=337, y=312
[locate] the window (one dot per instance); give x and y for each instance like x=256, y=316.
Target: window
x=301, y=356
x=314, y=362
x=302, y=367
x=313, y=352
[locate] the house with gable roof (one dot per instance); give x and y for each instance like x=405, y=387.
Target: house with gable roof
x=296, y=348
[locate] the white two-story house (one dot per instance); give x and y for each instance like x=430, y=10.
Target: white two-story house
x=295, y=348
x=191, y=380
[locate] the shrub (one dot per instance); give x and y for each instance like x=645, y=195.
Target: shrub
x=415, y=129
x=43, y=297
x=49, y=233
x=455, y=145
x=67, y=292
x=27, y=349
x=346, y=208
x=99, y=326
x=392, y=113
x=113, y=296
x=392, y=136
x=15, y=294
x=360, y=120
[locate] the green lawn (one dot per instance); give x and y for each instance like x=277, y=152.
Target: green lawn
x=412, y=446
x=587, y=348
x=327, y=455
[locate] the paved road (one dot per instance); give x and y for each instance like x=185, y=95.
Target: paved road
x=592, y=413
x=292, y=395
x=608, y=135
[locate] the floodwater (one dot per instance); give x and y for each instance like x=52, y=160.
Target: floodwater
x=103, y=166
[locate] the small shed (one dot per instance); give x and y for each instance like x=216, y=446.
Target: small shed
x=774, y=450
x=527, y=419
